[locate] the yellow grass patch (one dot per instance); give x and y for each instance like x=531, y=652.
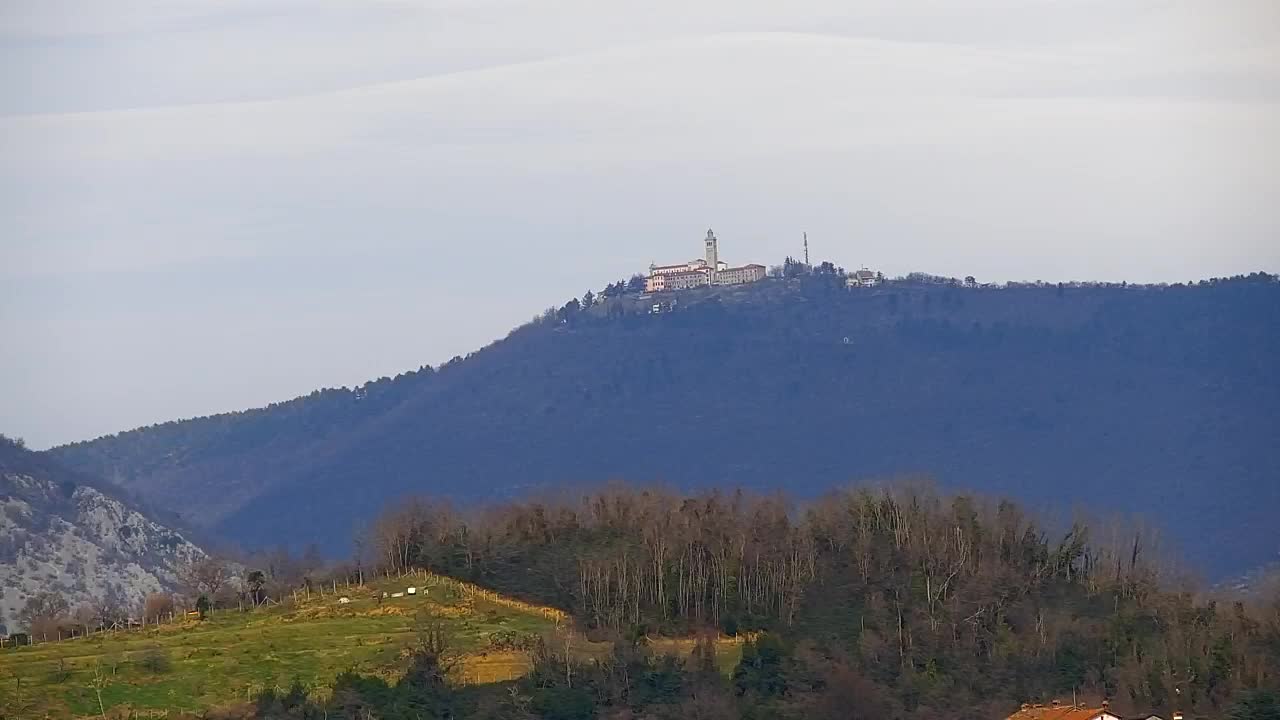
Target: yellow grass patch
x=728, y=650
x=494, y=666
x=685, y=645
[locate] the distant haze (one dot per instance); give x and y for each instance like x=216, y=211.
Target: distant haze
x=210, y=205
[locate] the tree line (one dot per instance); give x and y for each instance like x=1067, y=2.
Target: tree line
x=775, y=681
x=936, y=601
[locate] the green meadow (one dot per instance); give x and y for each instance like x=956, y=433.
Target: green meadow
x=195, y=664
x=230, y=656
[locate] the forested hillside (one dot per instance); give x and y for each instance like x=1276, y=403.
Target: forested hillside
x=895, y=603
x=900, y=603
x=1155, y=401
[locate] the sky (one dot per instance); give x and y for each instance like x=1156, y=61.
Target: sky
x=209, y=205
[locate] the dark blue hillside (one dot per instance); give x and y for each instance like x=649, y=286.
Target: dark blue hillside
x=1162, y=403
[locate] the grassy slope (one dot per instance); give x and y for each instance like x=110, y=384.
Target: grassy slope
x=233, y=655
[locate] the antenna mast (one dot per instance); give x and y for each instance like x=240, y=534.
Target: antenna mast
x=806, y=249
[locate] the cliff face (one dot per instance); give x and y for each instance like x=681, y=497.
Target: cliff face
x=64, y=536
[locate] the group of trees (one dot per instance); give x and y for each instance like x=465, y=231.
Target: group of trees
x=634, y=284
x=776, y=679
x=47, y=615
x=793, y=268
x=244, y=581
x=570, y=311
x=937, y=602
x=638, y=556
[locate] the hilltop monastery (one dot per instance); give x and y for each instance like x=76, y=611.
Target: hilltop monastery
x=703, y=272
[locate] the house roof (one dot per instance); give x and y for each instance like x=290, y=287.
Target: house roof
x=1059, y=712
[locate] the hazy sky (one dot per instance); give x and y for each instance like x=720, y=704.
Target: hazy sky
x=207, y=205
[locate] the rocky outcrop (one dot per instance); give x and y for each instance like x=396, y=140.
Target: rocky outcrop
x=68, y=537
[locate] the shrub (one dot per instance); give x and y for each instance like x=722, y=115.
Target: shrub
x=62, y=673
x=156, y=661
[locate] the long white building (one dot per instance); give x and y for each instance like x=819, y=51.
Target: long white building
x=703, y=272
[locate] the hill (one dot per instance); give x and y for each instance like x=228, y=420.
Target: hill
x=900, y=602
x=721, y=605
x=1155, y=401
x=194, y=665
x=64, y=533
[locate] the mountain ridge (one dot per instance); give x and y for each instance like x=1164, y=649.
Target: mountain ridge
x=1141, y=400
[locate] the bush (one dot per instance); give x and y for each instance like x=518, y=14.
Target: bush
x=62, y=673
x=501, y=640
x=1256, y=705
x=729, y=625
x=562, y=703
x=156, y=661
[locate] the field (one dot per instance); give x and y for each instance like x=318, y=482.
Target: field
x=197, y=664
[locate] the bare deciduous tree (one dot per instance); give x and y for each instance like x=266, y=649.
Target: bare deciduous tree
x=156, y=607
x=205, y=576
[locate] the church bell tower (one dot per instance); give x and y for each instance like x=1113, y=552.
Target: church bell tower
x=713, y=251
